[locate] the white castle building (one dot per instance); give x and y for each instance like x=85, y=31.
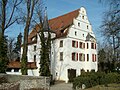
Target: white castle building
x=73, y=49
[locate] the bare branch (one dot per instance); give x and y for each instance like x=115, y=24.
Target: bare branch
x=9, y=23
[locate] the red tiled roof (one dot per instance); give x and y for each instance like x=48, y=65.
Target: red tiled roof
x=58, y=24
x=17, y=64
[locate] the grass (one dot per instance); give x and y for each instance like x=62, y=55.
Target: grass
x=109, y=87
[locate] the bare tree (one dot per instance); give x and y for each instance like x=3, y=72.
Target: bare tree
x=30, y=6
x=111, y=26
x=11, y=46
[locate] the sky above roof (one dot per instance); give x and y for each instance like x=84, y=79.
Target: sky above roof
x=56, y=8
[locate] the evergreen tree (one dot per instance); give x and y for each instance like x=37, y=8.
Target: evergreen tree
x=3, y=54
x=18, y=44
x=45, y=54
x=45, y=37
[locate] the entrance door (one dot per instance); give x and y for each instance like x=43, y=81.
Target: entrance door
x=71, y=74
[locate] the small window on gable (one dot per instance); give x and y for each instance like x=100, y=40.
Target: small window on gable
x=87, y=27
x=34, y=58
x=61, y=43
x=83, y=35
x=75, y=33
x=62, y=31
x=82, y=17
x=61, y=56
x=35, y=48
x=79, y=24
x=82, y=11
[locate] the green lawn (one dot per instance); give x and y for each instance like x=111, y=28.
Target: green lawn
x=109, y=87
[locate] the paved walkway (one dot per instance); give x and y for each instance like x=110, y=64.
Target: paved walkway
x=61, y=86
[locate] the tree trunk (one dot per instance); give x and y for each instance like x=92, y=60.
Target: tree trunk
x=30, y=8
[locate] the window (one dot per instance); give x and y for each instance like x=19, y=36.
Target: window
x=61, y=56
x=52, y=53
x=87, y=27
x=82, y=11
x=35, y=48
x=81, y=57
x=75, y=56
x=79, y=24
x=83, y=35
x=74, y=43
x=81, y=45
x=94, y=57
x=92, y=45
x=87, y=45
x=75, y=33
x=34, y=58
x=16, y=70
x=61, y=43
x=82, y=17
x=87, y=57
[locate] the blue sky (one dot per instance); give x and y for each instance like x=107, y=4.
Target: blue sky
x=56, y=8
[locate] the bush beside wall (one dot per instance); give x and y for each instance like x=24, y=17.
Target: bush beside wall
x=90, y=79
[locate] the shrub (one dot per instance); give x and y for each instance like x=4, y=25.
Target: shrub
x=92, y=79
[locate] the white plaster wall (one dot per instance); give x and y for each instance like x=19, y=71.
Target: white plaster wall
x=61, y=67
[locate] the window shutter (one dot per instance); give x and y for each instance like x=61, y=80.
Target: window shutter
x=80, y=56
x=95, y=45
x=77, y=56
x=84, y=45
x=87, y=45
x=77, y=44
x=80, y=45
x=84, y=57
x=93, y=57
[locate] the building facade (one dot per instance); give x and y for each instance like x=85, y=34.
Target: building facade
x=73, y=49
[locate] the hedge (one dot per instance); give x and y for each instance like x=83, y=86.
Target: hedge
x=95, y=78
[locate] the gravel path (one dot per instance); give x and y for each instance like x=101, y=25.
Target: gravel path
x=61, y=86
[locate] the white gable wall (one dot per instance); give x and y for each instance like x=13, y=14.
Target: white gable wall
x=76, y=33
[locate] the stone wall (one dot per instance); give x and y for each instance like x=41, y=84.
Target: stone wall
x=28, y=82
